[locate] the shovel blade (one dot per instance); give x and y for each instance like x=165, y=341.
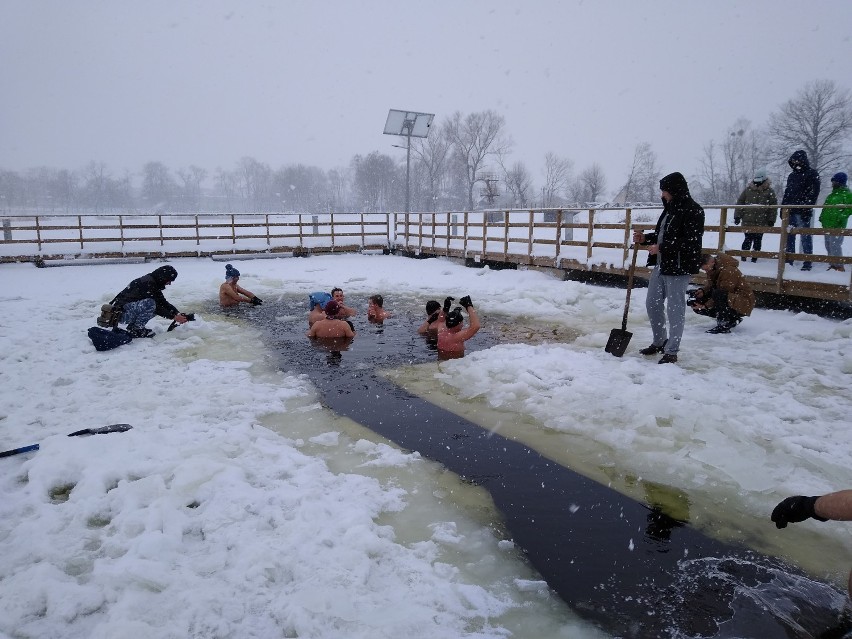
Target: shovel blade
x=618, y=341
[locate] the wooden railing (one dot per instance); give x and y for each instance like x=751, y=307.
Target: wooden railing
x=570, y=239
x=599, y=240
x=56, y=236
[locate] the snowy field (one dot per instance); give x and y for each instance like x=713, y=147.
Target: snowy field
x=238, y=507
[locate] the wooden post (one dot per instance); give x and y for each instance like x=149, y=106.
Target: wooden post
x=363, y=238
x=506, y=237
x=268, y=240
x=782, y=250
x=628, y=215
x=484, y=235
x=465, y=233
x=197, y=232
x=331, y=219
x=723, y=224
x=419, y=232
x=80, y=230
x=434, y=221
x=558, y=238
x=530, y=238
x=38, y=233
x=233, y=230
x=590, y=236
x=449, y=228
x=121, y=230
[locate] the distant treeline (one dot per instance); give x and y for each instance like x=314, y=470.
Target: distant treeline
x=464, y=164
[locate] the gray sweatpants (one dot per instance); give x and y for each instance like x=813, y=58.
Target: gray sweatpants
x=668, y=291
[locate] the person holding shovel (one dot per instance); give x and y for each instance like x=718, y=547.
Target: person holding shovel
x=674, y=252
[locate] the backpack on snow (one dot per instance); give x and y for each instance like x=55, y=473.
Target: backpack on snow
x=106, y=340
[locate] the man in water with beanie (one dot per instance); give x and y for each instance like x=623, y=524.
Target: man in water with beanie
x=674, y=252
x=143, y=298
x=231, y=293
x=451, y=338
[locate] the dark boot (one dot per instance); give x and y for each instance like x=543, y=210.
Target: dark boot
x=139, y=331
x=653, y=350
x=668, y=358
x=719, y=328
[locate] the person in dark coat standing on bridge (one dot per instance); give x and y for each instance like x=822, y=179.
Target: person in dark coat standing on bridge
x=674, y=249
x=802, y=188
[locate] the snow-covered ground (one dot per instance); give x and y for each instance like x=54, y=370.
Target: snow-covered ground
x=238, y=506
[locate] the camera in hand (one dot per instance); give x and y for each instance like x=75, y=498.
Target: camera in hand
x=693, y=297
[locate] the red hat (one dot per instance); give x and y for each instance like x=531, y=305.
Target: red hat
x=332, y=308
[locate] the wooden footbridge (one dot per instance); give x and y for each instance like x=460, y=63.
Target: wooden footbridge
x=594, y=241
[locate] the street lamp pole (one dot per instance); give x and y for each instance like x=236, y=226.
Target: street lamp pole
x=408, y=124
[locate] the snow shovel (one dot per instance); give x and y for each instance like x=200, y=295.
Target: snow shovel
x=112, y=428
x=619, y=338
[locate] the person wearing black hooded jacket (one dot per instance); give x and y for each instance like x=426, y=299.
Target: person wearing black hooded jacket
x=143, y=298
x=674, y=249
x=802, y=188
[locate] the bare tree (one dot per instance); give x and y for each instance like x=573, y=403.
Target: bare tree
x=593, y=182
x=518, y=183
x=192, y=178
x=255, y=181
x=158, y=186
x=473, y=138
x=642, y=178
x=432, y=154
x=727, y=167
x=338, y=181
x=377, y=182
x=557, y=176
x=818, y=120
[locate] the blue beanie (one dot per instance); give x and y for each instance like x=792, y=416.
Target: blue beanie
x=840, y=178
x=230, y=272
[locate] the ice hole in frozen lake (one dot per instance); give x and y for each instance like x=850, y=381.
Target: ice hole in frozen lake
x=625, y=559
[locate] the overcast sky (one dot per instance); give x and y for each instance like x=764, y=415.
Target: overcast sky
x=208, y=82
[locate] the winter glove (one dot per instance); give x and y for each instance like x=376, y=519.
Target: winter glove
x=465, y=301
x=795, y=509
x=256, y=301
x=448, y=302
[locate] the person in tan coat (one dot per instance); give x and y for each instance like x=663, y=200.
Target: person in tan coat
x=727, y=296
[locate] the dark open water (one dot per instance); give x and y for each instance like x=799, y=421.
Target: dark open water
x=627, y=566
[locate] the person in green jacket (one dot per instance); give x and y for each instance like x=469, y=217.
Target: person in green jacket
x=763, y=212
x=836, y=218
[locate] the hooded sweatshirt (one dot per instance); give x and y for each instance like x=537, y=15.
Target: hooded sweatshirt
x=802, y=183
x=679, y=230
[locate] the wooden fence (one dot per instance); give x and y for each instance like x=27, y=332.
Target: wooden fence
x=595, y=240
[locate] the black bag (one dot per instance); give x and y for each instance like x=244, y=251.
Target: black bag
x=105, y=340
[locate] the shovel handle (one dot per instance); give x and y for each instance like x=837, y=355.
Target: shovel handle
x=629, y=286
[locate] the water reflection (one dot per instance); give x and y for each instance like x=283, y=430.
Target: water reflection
x=333, y=347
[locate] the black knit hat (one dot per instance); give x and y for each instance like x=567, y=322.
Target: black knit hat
x=164, y=275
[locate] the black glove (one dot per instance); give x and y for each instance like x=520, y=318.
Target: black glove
x=256, y=301
x=465, y=302
x=448, y=302
x=433, y=317
x=795, y=509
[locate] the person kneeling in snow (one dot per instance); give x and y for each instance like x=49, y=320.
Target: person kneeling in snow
x=143, y=298
x=231, y=293
x=727, y=296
